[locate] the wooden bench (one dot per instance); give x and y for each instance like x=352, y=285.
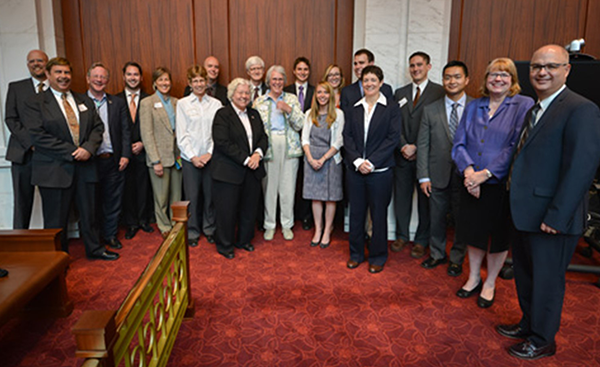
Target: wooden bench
x=36, y=280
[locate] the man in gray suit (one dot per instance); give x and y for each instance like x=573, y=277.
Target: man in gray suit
x=412, y=99
x=438, y=178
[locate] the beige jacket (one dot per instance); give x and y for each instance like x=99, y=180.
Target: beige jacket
x=158, y=137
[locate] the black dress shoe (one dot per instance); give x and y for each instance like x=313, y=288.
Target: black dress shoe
x=106, y=255
x=114, y=243
x=3, y=273
x=373, y=269
x=454, y=270
x=528, y=350
x=351, y=264
x=210, y=238
x=513, y=331
x=131, y=231
x=485, y=303
x=228, y=255
x=314, y=244
x=324, y=245
x=307, y=224
x=147, y=228
x=431, y=263
x=463, y=293
x=193, y=242
x=248, y=247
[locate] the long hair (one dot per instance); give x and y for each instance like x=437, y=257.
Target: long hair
x=328, y=70
x=314, y=111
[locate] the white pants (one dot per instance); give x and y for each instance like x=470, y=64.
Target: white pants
x=280, y=182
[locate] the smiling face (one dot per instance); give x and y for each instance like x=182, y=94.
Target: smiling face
x=59, y=78
x=360, y=62
x=241, y=97
x=418, y=68
x=276, y=83
x=301, y=72
x=256, y=73
x=132, y=77
x=455, y=81
x=198, y=86
x=163, y=84
x=36, y=63
x=212, y=66
x=553, y=75
x=323, y=96
x=97, y=80
x=371, y=85
x=334, y=77
x=498, y=82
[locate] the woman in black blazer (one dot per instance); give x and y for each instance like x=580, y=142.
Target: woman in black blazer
x=240, y=143
x=371, y=134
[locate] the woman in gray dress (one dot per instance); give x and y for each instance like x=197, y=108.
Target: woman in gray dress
x=321, y=142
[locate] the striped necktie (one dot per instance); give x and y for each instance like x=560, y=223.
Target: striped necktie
x=453, y=120
x=524, y=135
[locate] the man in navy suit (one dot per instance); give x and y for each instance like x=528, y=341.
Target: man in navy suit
x=66, y=131
x=553, y=167
x=113, y=154
x=20, y=148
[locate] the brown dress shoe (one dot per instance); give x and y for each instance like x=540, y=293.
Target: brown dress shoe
x=418, y=251
x=351, y=264
x=398, y=245
x=375, y=268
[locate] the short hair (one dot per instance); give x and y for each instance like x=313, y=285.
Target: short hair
x=158, y=72
x=422, y=54
x=302, y=59
x=235, y=83
x=502, y=64
x=328, y=70
x=364, y=51
x=372, y=69
x=456, y=63
x=277, y=68
x=134, y=64
x=55, y=61
x=254, y=60
x=196, y=70
x=98, y=65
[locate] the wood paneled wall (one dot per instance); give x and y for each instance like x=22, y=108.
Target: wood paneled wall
x=482, y=30
x=179, y=33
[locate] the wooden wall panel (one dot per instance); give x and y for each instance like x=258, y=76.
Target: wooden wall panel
x=592, y=29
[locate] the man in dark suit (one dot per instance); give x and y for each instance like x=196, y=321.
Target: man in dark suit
x=354, y=92
x=412, y=99
x=553, y=167
x=240, y=142
x=438, y=178
x=112, y=157
x=255, y=67
x=213, y=88
x=66, y=131
x=137, y=202
x=304, y=91
x=20, y=148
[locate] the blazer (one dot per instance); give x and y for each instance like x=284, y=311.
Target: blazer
x=411, y=116
x=434, y=144
x=231, y=145
x=157, y=134
x=351, y=94
x=383, y=135
x=552, y=173
x=220, y=93
x=53, y=165
x=119, y=127
x=308, y=96
x=134, y=126
x=19, y=142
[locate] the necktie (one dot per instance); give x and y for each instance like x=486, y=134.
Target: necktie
x=210, y=92
x=301, y=97
x=71, y=119
x=40, y=87
x=133, y=107
x=255, y=96
x=453, y=120
x=417, y=97
x=530, y=124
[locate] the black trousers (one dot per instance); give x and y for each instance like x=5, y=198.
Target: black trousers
x=138, y=203
x=110, y=194
x=405, y=182
x=23, y=192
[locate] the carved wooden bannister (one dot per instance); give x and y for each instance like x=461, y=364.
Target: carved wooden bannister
x=143, y=330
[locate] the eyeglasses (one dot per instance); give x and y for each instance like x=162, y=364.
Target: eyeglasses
x=536, y=68
x=498, y=75
x=333, y=75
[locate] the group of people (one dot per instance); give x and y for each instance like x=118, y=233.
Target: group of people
x=500, y=164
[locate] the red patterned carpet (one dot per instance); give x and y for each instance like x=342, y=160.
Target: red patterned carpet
x=287, y=304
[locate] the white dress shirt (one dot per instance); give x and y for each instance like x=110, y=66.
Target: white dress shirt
x=367, y=121
x=194, y=125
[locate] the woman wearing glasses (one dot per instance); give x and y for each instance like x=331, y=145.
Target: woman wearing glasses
x=483, y=146
x=334, y=76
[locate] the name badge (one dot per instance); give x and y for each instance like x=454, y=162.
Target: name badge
x=158, y=105
x=82, y=107
x=402, y=102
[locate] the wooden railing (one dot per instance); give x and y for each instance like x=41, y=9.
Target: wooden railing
x=142, y=332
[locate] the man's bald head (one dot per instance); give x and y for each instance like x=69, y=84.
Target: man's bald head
x=549, y=69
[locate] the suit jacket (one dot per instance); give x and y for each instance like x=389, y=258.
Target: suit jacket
x=552, y=173
x=382, y=138
x=434, y=145
x=308, y=96
x=20, y=141
x=411, y=116
x=351, y=94
x=220, y=93
x=134, y=126
x=157, y=134
x=231, y=145
x=53, y=165
x=119, y=127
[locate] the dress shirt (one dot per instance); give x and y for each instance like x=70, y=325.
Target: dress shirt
x=166, y=101
x=487, y=143
x=129, y=94
x=546, y=103
x=36, y=82
x=367, y=122
x=277, y=118
x=194, y=125
x=421, y=86
x=102, y=108
x=243, y=115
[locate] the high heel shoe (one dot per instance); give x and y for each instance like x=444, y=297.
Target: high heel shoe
x=484, y=303
x=463, y=293
x=325, y=245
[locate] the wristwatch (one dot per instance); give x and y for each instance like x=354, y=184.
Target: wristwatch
x=488, y=173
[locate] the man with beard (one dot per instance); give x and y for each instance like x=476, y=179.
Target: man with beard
x=20, y=148
x=137, y=208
